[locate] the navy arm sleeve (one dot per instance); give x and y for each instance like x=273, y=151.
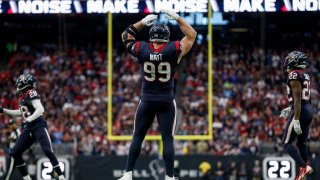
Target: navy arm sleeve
x=134, y=51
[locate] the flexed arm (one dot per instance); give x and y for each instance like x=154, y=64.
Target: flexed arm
x=129, y=35
x=190, y=34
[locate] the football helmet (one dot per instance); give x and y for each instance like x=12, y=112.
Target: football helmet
x=159, y=33
x=24, y=82
x=295, y=60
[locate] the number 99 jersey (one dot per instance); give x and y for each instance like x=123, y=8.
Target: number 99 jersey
x=305, y=86
x=157, y=67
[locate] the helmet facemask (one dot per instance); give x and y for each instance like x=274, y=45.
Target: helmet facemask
x=159, y=33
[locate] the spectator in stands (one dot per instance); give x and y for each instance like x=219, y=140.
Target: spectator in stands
x=248, y=94
x=219, y=171
x=243, y=173
x=202, y=147
x=232, y=171
x=256, y=171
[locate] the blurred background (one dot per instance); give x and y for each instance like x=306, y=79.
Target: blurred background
x=65, y=45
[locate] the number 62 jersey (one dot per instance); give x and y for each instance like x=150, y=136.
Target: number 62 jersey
x=304, y=79
x=157, y=67
x=27, y=109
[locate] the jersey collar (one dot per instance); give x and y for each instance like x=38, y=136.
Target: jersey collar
x=163, y=45
x=298, y=70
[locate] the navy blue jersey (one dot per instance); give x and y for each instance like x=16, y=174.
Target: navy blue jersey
x=157, y=68
x=304, y=79
x=27, y=109
x=25, y=104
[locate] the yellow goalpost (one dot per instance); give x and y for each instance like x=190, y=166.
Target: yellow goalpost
x=208, y=136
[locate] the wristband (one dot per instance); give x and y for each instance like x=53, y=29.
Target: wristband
x=134, y=29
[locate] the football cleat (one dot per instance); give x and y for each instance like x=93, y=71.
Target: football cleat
x=61, y=177
x=27, y=177
x=126, y=176
x=170, y=178
x=304, y=172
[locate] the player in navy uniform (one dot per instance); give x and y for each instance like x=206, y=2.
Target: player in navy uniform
x=300, y=112
x=158, y=61
x=34, y=125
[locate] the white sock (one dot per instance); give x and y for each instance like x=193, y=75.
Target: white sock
x=27, y=177
x=128, y=172
x=169, y=176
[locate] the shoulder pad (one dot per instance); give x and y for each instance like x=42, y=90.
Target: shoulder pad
x=295, y=75
x=175, y=45
x=306, y=76
x=143, y=43
x=31, y=94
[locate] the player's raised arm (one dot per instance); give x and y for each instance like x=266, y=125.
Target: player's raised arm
x=129, y=35
x=296, y=91
x=190, y=34
x=10, y=112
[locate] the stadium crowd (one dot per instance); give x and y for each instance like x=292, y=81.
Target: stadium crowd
x=249, y=91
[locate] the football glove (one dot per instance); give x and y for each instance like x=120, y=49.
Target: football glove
x=171, y=15
x=149, y=20
x=285, y=112
x=297, y=127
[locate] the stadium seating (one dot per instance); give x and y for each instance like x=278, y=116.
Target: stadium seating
x=249, y=92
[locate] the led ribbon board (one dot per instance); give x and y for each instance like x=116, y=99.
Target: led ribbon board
x=153, y=6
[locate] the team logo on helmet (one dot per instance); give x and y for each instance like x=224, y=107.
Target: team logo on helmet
x=25, y=81
x=159, y=33
x=295, y=60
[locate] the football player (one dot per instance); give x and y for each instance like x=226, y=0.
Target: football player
x=300, y=112
x=15, y=133
x=158, y=61
x=34, y=125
